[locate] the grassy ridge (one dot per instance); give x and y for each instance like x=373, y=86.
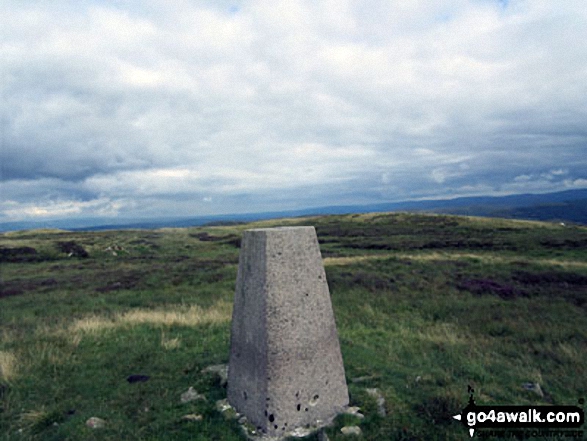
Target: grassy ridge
x=425, y=305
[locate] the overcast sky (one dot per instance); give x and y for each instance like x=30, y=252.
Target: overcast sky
x=158, y=108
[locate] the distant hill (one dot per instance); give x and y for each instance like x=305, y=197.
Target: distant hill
x=574, y=211
x=564, y=206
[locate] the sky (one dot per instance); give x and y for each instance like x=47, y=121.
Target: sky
x=153, y=108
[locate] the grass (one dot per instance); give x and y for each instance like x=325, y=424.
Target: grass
x=425, y=305
x=7, y=366
x=181, y=316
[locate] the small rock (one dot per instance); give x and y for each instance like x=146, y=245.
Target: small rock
x=242, y=420
x=300, y=432
x=137, y=378
x=354, y=411
x=351, y=430
x=192, y=417
x=375, y=393
x=96, y=423
x=226, y=409
x=191, y=395
x=534, y=387
x=219, y=369
x=248, y=430
x=222, y=405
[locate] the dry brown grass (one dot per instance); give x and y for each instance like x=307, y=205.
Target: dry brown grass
x=8, y=366
x=170, y=343
x=442, y=333
x=33, y=417
x=341, y=261
x=221, y=312
x=7, y=336
x=488, y=258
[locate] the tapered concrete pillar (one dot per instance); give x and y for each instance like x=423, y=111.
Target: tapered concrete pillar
x=285, y=369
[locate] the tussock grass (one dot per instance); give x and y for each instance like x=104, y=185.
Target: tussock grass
x=170, y=343
x=444, y=333
x=568, y=264
x=191, y=316
x=307, y=220
x=8, y=366
x=37, y=231
x=75, y=340
x=509, y=223
x=351, y=260
x=33, y=417
x=50, y=353
x=7, y=336
x=486, y=258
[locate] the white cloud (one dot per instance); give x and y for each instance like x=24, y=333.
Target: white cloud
x=13, y=210
x=265, y=100
x=555, y=180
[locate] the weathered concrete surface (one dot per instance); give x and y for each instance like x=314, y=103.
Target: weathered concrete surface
x=285, y=368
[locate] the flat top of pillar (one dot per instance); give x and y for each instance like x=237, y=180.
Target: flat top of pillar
x=278, y=229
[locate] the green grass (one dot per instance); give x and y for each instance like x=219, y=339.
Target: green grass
x=425, y=306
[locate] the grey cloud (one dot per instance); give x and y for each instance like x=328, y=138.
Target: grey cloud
x=259, y=105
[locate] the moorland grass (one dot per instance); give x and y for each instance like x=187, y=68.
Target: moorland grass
x=425, y=307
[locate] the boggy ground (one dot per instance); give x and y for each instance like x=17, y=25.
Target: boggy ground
x=426, y=305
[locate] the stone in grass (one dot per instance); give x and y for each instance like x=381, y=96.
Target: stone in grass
x=226, y=409
x=375, y=393
x=351, y=430
x=354, y=411
x=191, y=395
x=222, y=405
x=301, y=432
x=192, y=417
x=219, y=369
x=96, y=423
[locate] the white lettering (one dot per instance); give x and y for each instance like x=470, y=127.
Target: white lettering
x=512, y=417
x=471, y=418
x=573, y=417
x=491, y=415
x=536, y=416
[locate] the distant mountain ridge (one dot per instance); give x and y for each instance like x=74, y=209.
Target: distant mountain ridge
x=563, y=206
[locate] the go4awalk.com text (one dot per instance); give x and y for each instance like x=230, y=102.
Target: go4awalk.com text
x=523, y=421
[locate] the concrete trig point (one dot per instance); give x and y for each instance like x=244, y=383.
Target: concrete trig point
x=285, y=369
